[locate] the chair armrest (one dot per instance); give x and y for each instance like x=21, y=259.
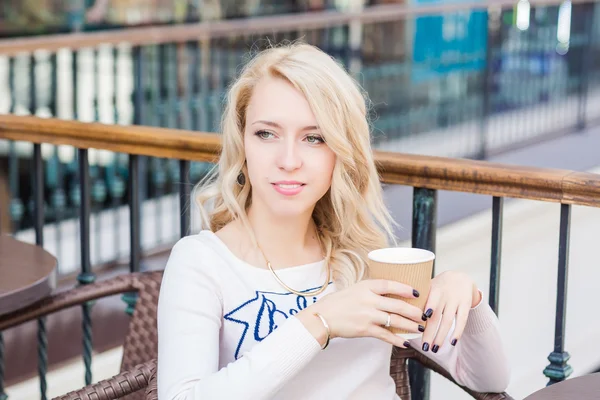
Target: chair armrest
x=71, y=297
x=118, y=386
x=432, y=365
x=152, y=389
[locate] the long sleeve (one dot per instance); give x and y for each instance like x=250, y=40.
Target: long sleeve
x=190, y=315
x=478, y=361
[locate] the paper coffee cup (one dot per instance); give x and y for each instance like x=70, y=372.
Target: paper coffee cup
x=411, y=266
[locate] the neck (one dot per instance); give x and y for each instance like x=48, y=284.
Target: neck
x=285, y=241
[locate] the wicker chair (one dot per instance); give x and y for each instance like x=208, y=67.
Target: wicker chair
x=137, y=379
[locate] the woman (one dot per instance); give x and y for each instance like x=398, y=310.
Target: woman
x=273, y=300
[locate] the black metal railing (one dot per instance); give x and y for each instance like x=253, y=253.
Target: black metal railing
x=427, y=175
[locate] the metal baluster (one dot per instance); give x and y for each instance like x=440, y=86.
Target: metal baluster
x=54, y=172
x=497, y=214
x=593, y=46
x=154, y=86
x=203, y=91
x=134, y=227
x=86, y=276
x=16, y=207
x=11, y=85
x=159, y=97
x=38, y=211
x=424, y=222
x=32, y=89
x=139, y=118
x=184, y=197
x=134, y=183
x=181, y=86
x=558, y=369
x=585, y=66
x=146, y=81
x=116, y=184
x=220, y=65
x=158, y=173
x=134, y=218
x=58, y=199
x=115, y=52
x=54, y=85
x=172, y=83
x=75, y=191
x=99, y=193
x=96, y=79
x=193, y=86
x=74, y=62
x=38, y=198
x=519, y=53
x=159, y=180
x=493, y=32
x=98, y=186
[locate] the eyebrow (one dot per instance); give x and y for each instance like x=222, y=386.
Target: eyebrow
x=276, y=125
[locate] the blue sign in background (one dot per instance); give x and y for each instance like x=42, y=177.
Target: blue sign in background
x=448, y=43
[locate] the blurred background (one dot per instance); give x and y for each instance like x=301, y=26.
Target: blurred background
x=516, y=82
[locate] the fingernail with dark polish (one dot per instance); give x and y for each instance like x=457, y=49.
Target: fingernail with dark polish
x=407, y=344
x=425, y=346
x=416, y=293
x=435, y=348
x=453, y=342
x=428, y=313
x=424, y=317
x=421, y=328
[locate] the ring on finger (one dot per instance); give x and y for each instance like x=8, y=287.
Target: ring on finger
x=388, y=323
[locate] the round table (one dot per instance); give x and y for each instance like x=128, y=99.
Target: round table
x=27, y=274
x=583, y=387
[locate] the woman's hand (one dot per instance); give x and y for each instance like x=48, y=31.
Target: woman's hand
x=452, y=295
x=362, y=310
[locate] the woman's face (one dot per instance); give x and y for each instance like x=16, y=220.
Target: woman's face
x=289, y=165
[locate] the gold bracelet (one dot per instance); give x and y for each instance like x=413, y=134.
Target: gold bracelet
x=326, y=328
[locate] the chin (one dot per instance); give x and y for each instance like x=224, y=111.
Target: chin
x=289, y=207
x=289, y=210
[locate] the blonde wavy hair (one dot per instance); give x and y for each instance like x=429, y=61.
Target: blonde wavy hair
x=351, y=218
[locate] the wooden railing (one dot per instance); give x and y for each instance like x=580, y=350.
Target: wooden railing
x=252, y=26
x=440, y=173
x=425, y=174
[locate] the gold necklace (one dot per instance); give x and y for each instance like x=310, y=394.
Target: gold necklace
x=313, y=293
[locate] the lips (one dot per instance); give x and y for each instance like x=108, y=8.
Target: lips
x=288, y=188
x=288, y=183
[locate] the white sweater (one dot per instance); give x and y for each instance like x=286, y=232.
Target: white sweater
x=226, y=330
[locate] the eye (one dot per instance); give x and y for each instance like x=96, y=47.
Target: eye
x=264, y=134
x=315, y=139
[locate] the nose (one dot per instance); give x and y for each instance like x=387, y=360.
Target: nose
x=289, y=157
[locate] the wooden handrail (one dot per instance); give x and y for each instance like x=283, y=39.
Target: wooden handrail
x=142, y=140
x=246, y=26
x=469, y=176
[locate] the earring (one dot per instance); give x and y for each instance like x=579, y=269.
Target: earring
x=241, y=179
